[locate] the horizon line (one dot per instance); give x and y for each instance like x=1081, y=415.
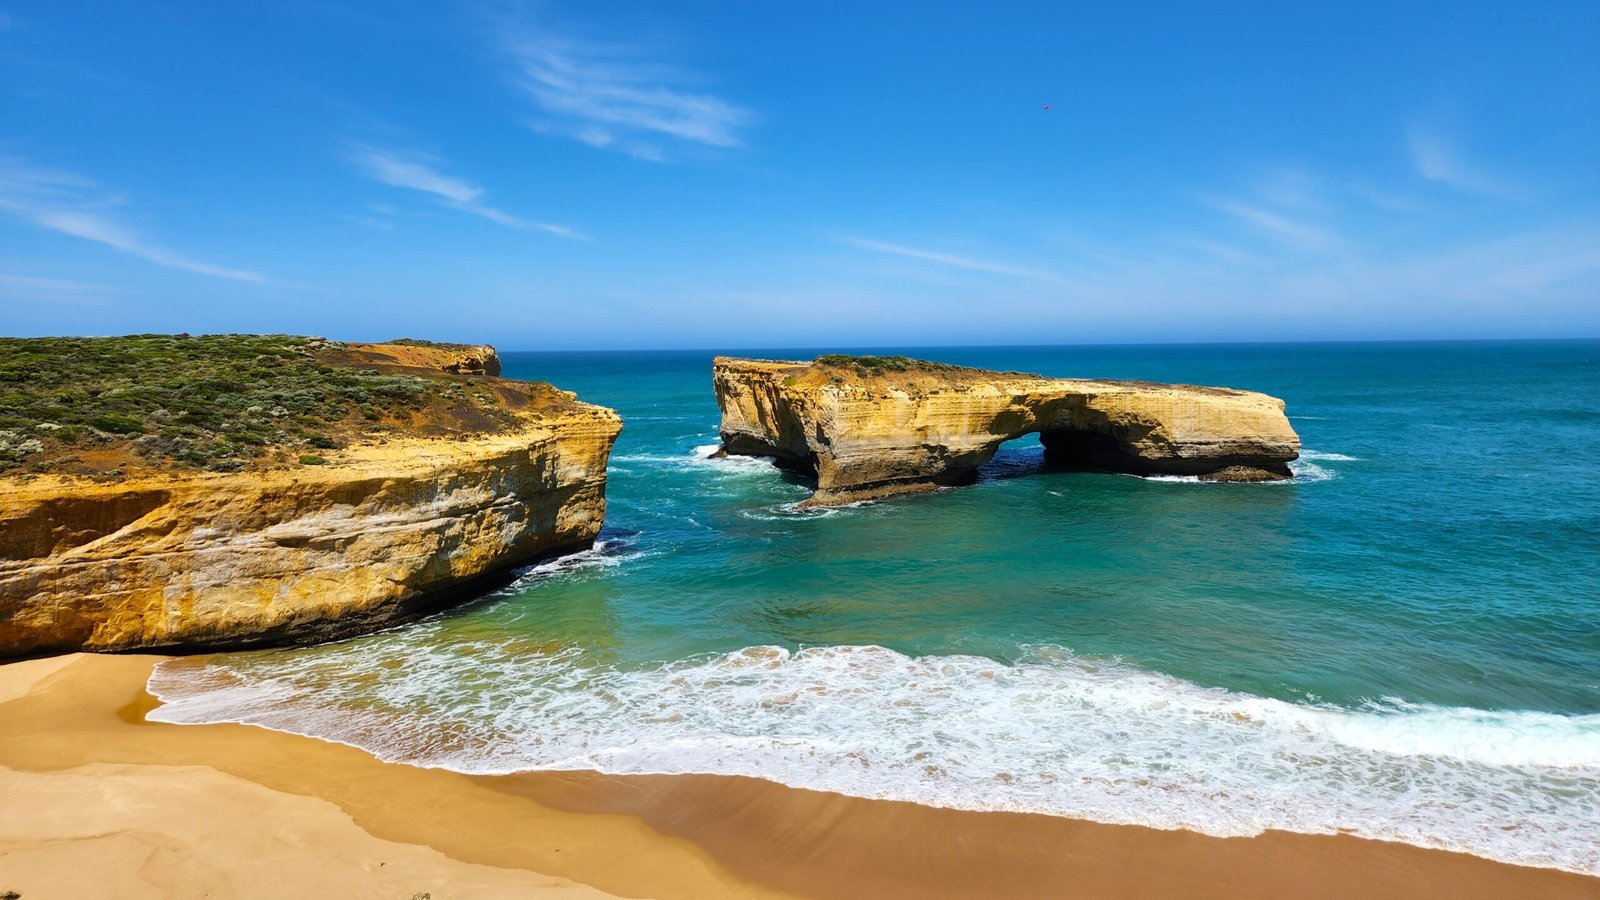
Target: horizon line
x=999, y=346
x=724, y=348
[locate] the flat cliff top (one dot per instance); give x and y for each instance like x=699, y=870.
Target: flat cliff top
x=878, y=375
x=117, y=406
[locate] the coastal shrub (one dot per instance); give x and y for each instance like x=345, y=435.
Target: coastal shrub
x=15, y=447
x=878, y=365
x=419, y=342
x=208, y=398
x=311, y=459
x=117, y=423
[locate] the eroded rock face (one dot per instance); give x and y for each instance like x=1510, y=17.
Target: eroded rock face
x=868, y=434
x=457, y=359
x=382, y=531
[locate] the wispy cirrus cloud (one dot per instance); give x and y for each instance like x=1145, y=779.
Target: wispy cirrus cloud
x=1290, y=187
x=420, y=172
x=19, y=288
x=1438, y=159
x=1388, y=200
x=612, y=97
x=416, y=173
x=1222, y=252
x=1281, y=227
x=949, y=259
x=70, y=204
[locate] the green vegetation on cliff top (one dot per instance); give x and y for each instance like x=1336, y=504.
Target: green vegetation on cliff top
x=217, y=402
x=878, y=365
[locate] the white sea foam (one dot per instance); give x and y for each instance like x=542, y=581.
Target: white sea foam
x=1051, y=734
x=1307, y=472
x=794, y=510
x=1305, y=469
x=700, y=459
x=785, y=512
x=703, y=456
x=604, y=554
x=1304, y=473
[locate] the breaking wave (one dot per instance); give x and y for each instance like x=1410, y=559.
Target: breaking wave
x=1051, y=733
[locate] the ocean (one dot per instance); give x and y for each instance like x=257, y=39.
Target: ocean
x=1403, y=643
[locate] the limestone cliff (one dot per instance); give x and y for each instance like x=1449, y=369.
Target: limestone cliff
x=874, y=427
x=373, y=532
x=457, y=359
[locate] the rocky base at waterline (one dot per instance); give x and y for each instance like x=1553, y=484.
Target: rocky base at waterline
x=871, y=427
x=402, y=475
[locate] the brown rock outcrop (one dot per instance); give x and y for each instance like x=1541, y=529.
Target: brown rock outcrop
x=869, y=432
x=385, y=529
x=457, y=359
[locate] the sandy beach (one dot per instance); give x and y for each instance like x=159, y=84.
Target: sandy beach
x=94, y=801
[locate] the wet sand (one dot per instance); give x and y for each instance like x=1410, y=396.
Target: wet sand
x=94, y=801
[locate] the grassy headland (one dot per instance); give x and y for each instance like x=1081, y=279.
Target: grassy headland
x=881, y=365
x=101, y=406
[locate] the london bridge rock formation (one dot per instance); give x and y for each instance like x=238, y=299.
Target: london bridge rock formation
x=290, y=490
x=870, y=427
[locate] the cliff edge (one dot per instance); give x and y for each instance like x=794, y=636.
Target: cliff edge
x=222, y=491
x=870, y=427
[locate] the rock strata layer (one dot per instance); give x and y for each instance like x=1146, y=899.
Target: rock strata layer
x=383, y=530
x=868, y=432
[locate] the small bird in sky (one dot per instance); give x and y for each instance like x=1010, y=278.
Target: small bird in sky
x=1047, y=106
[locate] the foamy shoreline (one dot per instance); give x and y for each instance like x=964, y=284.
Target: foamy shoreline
x=76, y=735
x=1050, y=734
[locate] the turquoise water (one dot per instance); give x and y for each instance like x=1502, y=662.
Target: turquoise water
x=1403, y=643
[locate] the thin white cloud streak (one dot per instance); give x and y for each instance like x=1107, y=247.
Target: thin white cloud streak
x=397, y=171
x=1437, y=159
x=605, y=95
x=60, y=202
x=949, y=259
x=417, y=172
x=1231, y=255
x=1291, y=187
x=1514, y=267
x=370, y=222
x=1534, y=284
x=33, y=289
x=94, y=227
x=1281, y=228
x=1550, y=275
x=1389, y=201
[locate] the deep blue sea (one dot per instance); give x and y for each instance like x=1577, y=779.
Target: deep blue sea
x=1402, y=643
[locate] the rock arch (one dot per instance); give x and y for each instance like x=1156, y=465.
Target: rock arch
x=870, y=427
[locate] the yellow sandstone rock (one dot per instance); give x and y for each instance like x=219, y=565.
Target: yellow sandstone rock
x=457, y=359
x=387, y=528
x=870, y=431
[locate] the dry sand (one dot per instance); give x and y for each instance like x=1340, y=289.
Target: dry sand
x=95, y=802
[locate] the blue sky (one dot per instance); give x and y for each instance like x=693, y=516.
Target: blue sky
x=707, y=174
